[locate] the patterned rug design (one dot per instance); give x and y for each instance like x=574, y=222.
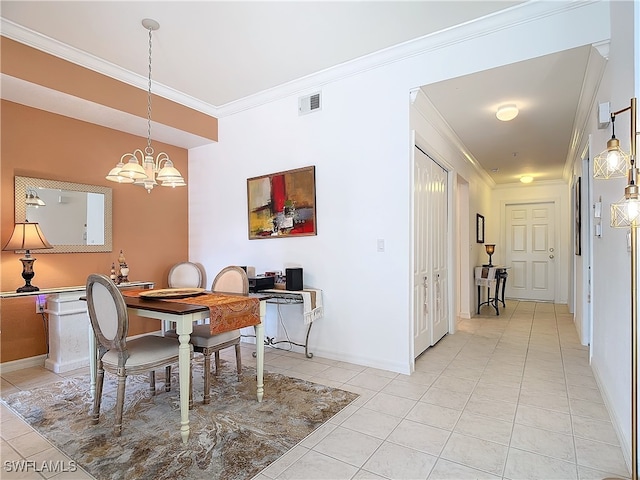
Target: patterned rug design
x=232, y=438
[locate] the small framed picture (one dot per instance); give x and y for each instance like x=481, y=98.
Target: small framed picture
x=479, y=228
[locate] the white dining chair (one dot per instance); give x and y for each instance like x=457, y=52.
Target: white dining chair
x=186, y=275
x=110, y=323
x=231, y=279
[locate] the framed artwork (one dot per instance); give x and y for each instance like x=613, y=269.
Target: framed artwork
x=479, y=228
x=282, y=204
x=577, y=216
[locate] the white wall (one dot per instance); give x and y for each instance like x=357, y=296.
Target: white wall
x=611, y=348
x=359, y=143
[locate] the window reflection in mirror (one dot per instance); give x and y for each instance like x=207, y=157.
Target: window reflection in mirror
x=74, y=218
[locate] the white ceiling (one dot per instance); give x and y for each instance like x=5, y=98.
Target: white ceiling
x=219, y=53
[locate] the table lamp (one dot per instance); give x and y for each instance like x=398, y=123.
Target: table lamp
x=490, y=248
x=27, y=236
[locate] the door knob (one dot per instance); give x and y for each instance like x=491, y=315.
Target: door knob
x=551, y=256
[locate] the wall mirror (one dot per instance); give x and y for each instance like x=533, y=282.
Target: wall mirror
x=74, y=217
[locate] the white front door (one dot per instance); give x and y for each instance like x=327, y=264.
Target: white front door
x=530, y=251
x=430, y=271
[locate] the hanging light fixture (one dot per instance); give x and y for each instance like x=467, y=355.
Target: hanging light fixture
x=626, y=214
x=613, y=162
x=32, y=199
x=141, y=168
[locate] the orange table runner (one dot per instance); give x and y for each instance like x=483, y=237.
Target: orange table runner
x=226, y=312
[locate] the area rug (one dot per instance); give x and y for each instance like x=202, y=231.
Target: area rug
x=232, y=438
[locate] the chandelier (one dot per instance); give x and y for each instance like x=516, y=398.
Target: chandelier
x=32, y=199
x=141, y=168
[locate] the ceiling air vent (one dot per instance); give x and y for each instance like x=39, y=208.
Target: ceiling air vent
x=310, y=103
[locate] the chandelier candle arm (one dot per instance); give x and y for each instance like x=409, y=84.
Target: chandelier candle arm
x=144, y=170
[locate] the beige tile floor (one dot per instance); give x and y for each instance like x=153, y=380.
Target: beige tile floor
x=509, y=397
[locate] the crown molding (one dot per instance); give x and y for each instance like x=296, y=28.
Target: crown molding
x=426, y=109
x=464, y=32
x=79, y=57
x=588, y=97
x=519, y=14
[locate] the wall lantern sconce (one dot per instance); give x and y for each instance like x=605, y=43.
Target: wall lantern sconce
x=613, y=162
x=625, y=213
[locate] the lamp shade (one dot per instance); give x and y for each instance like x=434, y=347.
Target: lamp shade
x=490, y=249
x=27, y=236
x=612, y=163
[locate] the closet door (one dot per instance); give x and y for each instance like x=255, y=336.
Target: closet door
x=430, y=272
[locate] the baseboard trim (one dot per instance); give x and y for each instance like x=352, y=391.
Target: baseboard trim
x=44, y=361
x=615, y=421
x=12, y=366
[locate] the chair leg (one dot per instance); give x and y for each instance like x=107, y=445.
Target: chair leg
x=207, y=377
x=152, y=383
x=238, y=361
x=167, y=379
x=117, y=429
x=217, y=356
x=98, y=395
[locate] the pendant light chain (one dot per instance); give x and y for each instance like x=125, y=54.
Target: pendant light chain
x=149, y=149
x=141, y=168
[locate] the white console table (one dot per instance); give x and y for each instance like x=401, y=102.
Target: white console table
x=68, y=324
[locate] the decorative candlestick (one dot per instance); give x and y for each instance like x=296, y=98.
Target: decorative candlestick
x=124, y=269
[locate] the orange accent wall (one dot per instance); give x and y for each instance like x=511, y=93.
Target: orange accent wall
x=151, y=229
x=35, y=66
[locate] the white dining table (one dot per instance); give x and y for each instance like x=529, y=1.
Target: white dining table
x=183, y=315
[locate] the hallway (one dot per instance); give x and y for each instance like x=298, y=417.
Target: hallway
x=509, y=396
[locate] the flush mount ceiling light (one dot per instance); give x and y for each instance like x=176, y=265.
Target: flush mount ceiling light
x=507, y=112
x=526, y=179
x=147, y=170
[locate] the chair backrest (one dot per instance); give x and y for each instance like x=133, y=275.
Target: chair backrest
x=186, y=275
x=231, y=279
x=108, y=314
